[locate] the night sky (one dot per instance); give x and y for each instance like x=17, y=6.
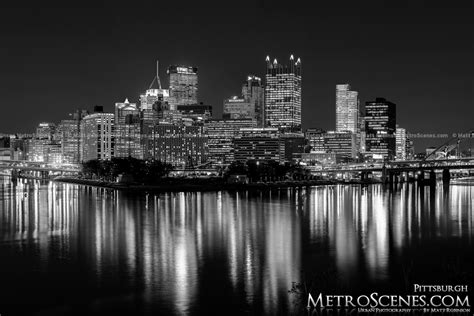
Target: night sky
x=418, y=54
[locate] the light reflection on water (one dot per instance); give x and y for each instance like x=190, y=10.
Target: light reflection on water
x=188, y=253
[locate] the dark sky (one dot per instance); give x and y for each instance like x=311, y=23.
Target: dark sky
x=418, y=54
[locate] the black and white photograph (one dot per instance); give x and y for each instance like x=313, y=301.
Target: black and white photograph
x=252, y=157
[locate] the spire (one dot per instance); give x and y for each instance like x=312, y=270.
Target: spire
x=126, y=100
x=291, y=57
x=267, y=59
x=157, y=74
x=275, y=61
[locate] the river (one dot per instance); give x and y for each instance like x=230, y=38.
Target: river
x=71, y=249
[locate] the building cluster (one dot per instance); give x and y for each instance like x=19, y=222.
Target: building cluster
x=262, y=123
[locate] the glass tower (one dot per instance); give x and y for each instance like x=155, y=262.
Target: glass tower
x=347, y=109
x=380, y=125
x=283, y=95
x=253, y=92
x=183, y=87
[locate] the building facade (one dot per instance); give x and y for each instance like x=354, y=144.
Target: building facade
x=380, y=124
x=97, y=137
x=342, y=144
x=179, y=145
x=400, y=143
x=347, y=109
x=259, y=144
x=127, y=127
x=254, y=93
x=291, y=146
x=315, y=140
x=152, y=103
x=238, y=108
x=221, y=134
x=283, y=95
x=183, y=88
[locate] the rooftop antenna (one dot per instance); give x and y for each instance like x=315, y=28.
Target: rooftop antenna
x=157, y=77
x=157, y=74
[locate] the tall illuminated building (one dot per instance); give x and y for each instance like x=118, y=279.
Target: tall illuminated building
x=347, y=109
x=400, y=143
x=253, y=92
x=283, y=95
x=380, y=125
x=69, y=136
x=183, y=89
x=97, y=137
x=127, y=130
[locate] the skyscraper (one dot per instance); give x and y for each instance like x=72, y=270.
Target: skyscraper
x=380, y=122
x=400, y=143
x=253, y=92
x=183, y=88
x=283, y=95
x=127, y=130
x=347, y=109
x=97, y=136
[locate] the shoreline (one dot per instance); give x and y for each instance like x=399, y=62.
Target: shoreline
x=205, y=187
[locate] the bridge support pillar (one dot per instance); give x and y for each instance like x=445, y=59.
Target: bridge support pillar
x=391, y=176
x=432, y=178
x=420, y=177
x=446, y=176
x=384, y=174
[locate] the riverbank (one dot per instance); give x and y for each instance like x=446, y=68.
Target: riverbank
x=204, y=185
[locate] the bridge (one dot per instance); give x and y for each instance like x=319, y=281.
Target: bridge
x=38, y=170
x=397, y=171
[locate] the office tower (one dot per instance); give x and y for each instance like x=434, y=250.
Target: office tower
x=179, y=145
x=221, y=134
x=238, y=108
x=259, y=144
x=183, y=89
x=253, y=92
x=400, y=143
x=283, y=95
x=343, y=144
x=69, y=136
x=315, y=140
x=380, y=121
x=97, y=137
x=127, y=130
x=347, y=109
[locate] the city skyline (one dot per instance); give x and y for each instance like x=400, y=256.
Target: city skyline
x=396, y=59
